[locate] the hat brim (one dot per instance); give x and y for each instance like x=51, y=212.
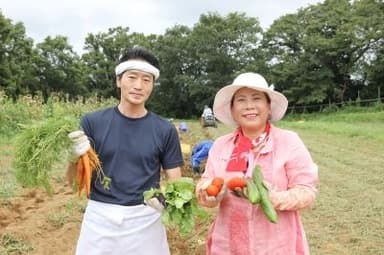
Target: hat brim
x=222, y=103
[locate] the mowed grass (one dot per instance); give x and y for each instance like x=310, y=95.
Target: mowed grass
x=348, y=215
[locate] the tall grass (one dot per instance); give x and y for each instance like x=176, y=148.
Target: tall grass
x=26, y=110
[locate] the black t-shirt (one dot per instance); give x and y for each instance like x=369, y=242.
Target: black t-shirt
x=132, y=153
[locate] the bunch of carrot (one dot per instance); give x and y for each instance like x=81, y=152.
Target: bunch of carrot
x=85, y=166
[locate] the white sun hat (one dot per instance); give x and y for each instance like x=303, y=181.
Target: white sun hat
x=223, y=98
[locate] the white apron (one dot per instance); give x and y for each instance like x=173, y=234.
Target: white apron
x=109, y=229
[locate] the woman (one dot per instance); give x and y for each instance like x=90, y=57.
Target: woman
x=250, y=105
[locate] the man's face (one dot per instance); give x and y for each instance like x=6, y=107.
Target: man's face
x=136, y=86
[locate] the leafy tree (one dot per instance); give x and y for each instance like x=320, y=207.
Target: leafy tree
x=328, y=52
x=15, y=54
x=368, y=16
x=314, y=54
x=197, y=62
x=171, y=95
x=59, y=68
x=221, y=47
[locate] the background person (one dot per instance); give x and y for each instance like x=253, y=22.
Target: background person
x=183, y=127
x=250, y=106
x=133, y=144
x=207, y=117
x=207, y=111
x=200, y=153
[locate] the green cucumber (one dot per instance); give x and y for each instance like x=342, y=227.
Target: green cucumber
x=253, y=194
x=265, y=203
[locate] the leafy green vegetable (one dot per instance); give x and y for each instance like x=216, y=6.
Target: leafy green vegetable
x=181, y=208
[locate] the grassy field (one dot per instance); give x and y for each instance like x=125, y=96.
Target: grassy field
x=347, y=218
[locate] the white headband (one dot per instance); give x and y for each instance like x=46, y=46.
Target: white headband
x=137, y=65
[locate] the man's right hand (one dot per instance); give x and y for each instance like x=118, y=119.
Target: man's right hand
x=80, y=142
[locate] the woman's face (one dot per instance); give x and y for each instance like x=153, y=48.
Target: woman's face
x=250, y=109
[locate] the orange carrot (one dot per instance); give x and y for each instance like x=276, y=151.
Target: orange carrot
x=93, y=159
x=87, y=173
x=80, y=175
x=86, y=165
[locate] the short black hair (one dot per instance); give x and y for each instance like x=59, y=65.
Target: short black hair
x=140, y=53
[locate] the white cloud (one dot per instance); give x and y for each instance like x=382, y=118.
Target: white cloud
x=76, y=18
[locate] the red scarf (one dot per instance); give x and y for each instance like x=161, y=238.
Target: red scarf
x=239, y=157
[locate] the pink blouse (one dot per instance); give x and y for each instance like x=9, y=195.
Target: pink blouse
x=242, y=228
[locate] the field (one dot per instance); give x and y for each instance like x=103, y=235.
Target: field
x=347, y=218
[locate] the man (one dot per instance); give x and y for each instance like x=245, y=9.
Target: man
x=207, y=117
x=206, y=112
x=133, y=145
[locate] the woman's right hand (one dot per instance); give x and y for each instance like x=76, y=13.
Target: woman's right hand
x=203, y=197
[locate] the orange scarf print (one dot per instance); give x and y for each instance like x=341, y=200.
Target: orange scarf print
x=239, y=157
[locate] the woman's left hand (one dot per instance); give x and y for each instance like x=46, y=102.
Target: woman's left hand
x=295, y=198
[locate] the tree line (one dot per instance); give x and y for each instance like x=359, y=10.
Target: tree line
x=329, y=52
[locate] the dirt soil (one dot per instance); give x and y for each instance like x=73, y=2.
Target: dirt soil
x=37, y=223
x=51, y=224
x=30, y=219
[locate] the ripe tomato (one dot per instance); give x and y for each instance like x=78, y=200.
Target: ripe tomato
x=236, y=182
x=218, y=182
x=212, y=190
